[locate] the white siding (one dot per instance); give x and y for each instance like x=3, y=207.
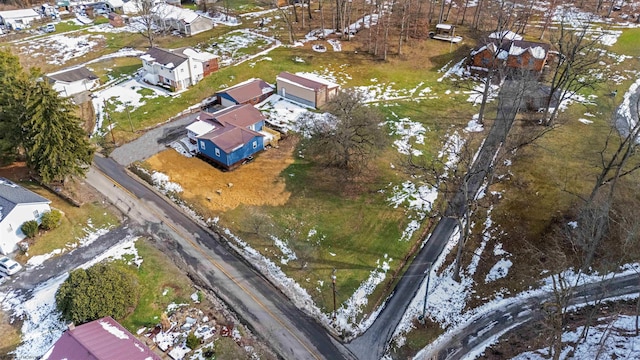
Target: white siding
x=68, y=89
x=10, y=233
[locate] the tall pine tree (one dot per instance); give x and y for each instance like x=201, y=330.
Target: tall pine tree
x=37, y=123
x=13, y=84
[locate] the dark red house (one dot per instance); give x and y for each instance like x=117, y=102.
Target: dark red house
x=515, y=55
x=102, y=339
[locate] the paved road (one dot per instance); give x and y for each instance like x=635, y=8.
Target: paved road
x=474, y=334
x=374, y=342
x=291, y=333
x=27, y=280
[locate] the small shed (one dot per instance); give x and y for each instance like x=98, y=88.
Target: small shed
x=116, y=20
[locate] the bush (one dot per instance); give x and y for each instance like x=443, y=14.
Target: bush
x=192, y=341
x=30, y=228
x=105, y=289
x=51, y=219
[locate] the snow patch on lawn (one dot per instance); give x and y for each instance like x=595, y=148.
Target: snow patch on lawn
x=91, y=234
x=126, y=96
x=499, y=270
x=161, y=181
x=59, y=49
x=407, y=130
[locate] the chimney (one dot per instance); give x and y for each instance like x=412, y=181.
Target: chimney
x=71, y=326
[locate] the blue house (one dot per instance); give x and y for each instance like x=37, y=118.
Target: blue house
x=229, y=136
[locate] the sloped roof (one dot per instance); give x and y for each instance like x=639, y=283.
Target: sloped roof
x=231, y=126
x=12, y=195
x=170, y=12
x=237, y=115
x=229, y=138
x=248, y=90
x=17, y=14
x=200, y=127
x=537, y=50
x=505, y=35
x=101, y=339
x=314, y=84
x=164, y=57
x=71, y=75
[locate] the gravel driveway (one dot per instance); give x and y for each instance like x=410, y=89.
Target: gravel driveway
x=153, y=141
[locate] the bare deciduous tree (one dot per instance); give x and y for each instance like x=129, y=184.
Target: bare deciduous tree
x=350, y=137
x=573, y=69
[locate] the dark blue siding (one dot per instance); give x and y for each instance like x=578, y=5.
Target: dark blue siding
x=227, y=96
x=209, y=150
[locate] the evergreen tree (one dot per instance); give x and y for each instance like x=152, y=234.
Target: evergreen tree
x=12, y=92
x=55, y=144
x=37, y=123
x=105, y=289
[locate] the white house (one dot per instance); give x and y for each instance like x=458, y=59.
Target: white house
x=177, y=69
x=186, y=21
x=73, y=81
x=18, y=19
x=17, y=205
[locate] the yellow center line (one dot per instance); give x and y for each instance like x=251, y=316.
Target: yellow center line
x=213, y=262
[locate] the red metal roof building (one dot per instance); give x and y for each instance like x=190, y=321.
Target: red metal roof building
x=101, y=339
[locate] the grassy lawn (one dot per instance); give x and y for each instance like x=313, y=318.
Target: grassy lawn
x=115, y=68
x=628, y=43
x=156, y=275
x=76, y=222
x=10, y=338
x=353, y=233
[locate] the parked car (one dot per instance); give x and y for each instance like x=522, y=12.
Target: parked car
x=50, y=28
x=9, y=267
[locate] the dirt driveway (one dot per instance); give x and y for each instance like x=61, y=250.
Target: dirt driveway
x=256, y=183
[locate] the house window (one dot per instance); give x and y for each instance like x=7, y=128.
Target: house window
x=485, y=61
x=202, y=145
x=36, y=214
x=182, y=70
x=217, y=152
x=255, y=144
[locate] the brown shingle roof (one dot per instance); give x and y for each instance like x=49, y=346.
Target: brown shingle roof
x=248, y=90
x=237, y=115
x=231, y=126
x=165, y=57
x=316, y=85
x=72, y=75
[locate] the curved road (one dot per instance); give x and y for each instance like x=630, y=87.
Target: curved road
x=290, y=332
x=373, y=344
x=475, y=334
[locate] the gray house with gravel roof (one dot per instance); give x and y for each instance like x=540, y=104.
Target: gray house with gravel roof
x=17, y=205
x=73, y=81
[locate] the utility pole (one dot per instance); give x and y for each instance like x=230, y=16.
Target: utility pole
x=129, y=114
x=426, y=296
x=108, y=117
x=333, y=282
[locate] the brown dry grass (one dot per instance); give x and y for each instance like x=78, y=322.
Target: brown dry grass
x=10, y=335
x=256, y=183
